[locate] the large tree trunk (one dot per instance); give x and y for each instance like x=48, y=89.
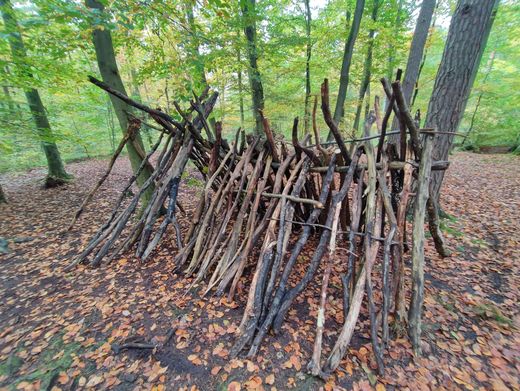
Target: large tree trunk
x=368, y=66
x=56, y=170
x=415, y=56
x=255, y=80
x=467, y=37
x=107, y=64
x=307, y=118
x=347, y=60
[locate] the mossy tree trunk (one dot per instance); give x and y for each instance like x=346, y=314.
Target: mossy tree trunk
x=255, y=79
x=56, y=171
x=109, y=71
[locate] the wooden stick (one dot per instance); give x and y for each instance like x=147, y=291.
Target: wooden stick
x=314, y=365
x=308, y=201
x=347, y=330
x=325, y=107
x=421, y=198
x=407, y=116
x=394, y=165
x=435, y=230
x=270, y=138
x=387, y=202
x=133, y=126
x=295, y=252
x=135, y=104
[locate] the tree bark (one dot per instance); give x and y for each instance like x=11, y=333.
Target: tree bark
x=347, y=60
x=308, y=19
x=255, y=79
x=415, y=56
x=368, y=66
x=56, y=170
x=467, y=37
x=107, y=64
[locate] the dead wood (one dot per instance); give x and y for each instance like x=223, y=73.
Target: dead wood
x=263, y=198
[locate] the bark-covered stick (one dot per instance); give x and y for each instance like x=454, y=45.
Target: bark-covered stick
x=421, y=198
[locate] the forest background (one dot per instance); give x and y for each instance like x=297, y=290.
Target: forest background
x=167, y=50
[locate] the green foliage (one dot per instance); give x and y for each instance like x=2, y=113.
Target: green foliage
x=162, y=55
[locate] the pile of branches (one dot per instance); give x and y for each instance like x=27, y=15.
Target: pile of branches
x=264, y=198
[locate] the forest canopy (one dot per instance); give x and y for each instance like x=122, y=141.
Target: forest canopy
x=168, y=50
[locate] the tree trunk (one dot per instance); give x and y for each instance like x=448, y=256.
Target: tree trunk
x=240, y=87
x=194, y=49
x=415, y=56
x=347, y=60
x=368, y=66
x=56, y=170
x=477, y=104
x=107, y=64
x=8, y=99
x=136, y=95
x=425, y=54
x=255, y=80
x=391, y=45
x=308, y=19
x=197, y=60
x=467, y=36
x=3, y=198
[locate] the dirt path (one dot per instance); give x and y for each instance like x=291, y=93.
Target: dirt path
x=62, y=329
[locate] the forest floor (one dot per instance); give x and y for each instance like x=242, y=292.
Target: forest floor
x=64, y=330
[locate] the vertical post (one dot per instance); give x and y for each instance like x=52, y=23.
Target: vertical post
x=422, y=195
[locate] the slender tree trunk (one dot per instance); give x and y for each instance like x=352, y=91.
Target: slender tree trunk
x=255, y=79
x=308, y=19
x=477, y=105
x=197, y=59
x=391, y=45
x=136, y=94
x=107, y=64
x=425, y=54
x=3, y=198
x=240, y=87
x=135, y=87
x=8, y=99
x=413, y=65
x=194, y=44
x=56, y=170
x=467, y=36
x=368, y=67
x=347, y=60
